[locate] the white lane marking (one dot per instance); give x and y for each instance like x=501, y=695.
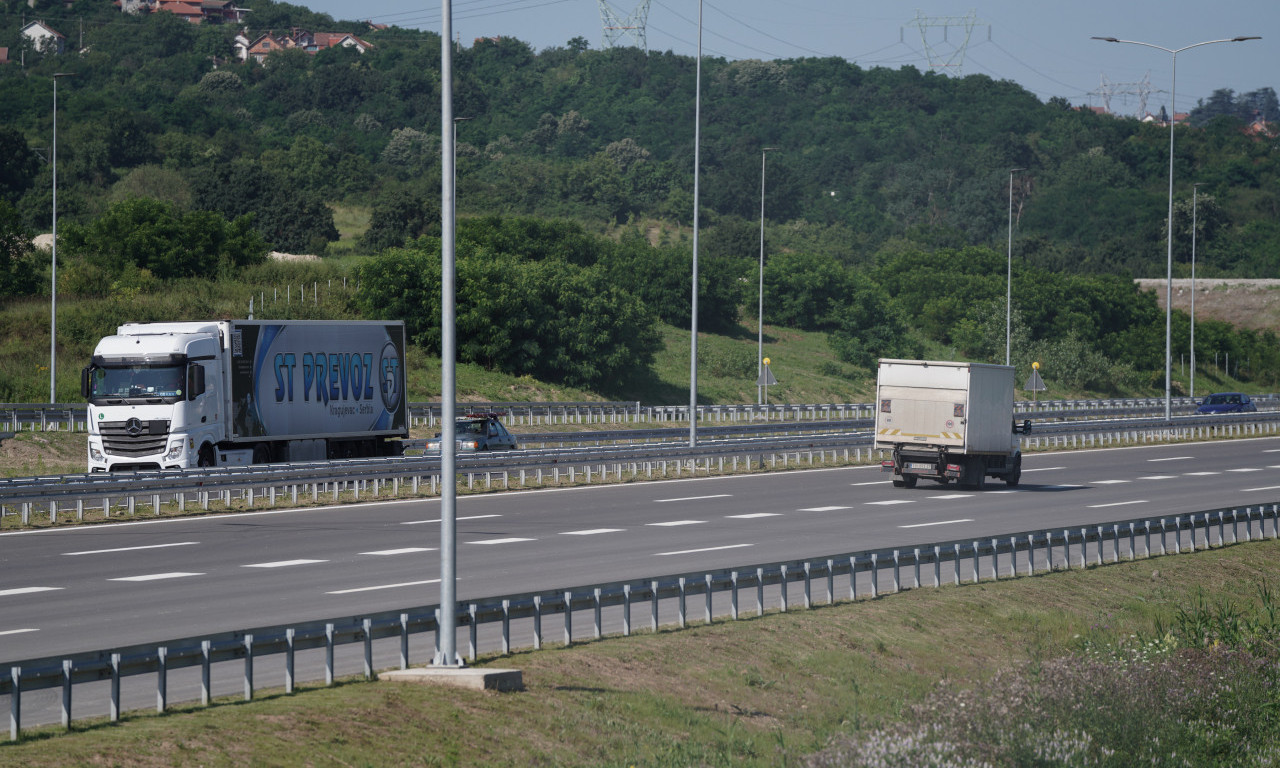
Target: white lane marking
x=1173, y=458
x=873, y=482
x=1200, y=474
x=940, y=522
x=694, y=498
x=953, y=496
x=754, y=515
x=17, y=631
x=1273, y=466
x=1118, y=504
x=1040, y=469
x=673, y=523
x=1246, y=469
x=1064, y=487
x=1158, y=477
x=511, y=540
x=891, y=502
x=469, y=517
x=1268, y=488
x=284, y=563
x=1272, y=450
x=401, y=551
x=383, y=586
x=130, y=549
x=27, y=590
x=822, y=509
x=1109, y=482
x=591, y=531
x=157, y=576
x=707, y=549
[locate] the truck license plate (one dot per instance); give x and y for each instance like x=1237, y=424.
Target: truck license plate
x=922, y=467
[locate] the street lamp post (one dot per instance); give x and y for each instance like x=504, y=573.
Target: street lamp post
x=760, y=313
x=447, y=654
x=53, y=285
x=693, y=309
x=1173, y=112
x=1008, y=298
x=1195, y=191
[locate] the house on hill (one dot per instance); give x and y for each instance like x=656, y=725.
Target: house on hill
x=194, y=11
x=44, y=38
x=258, y=48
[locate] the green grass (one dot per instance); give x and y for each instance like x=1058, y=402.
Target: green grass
x=764, y=691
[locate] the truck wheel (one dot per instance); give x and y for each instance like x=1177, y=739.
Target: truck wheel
x=977, y=474
x=1012, y=479
x=261, y=453
x=909, y=481
x=205, y=458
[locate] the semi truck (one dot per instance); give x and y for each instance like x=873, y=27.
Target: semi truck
x=237, y=392
x=948, y=422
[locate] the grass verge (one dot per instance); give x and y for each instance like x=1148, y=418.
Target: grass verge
x=765, y=691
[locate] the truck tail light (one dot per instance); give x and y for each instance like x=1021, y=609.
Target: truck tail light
x=886, y=466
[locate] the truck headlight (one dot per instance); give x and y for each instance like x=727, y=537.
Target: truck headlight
x=95, y=453
x=175, y=450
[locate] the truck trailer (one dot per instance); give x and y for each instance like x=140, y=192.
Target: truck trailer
x=235, y=392
x=949, y=422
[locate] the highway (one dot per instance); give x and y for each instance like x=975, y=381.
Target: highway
x=75, y=589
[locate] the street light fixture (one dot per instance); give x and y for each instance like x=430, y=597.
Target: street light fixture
x=53, y=285
x=1173, y=112
x=760, y=313
x=1195, y=191
x=1008, y=298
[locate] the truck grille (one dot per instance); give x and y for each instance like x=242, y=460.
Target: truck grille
x=134, y=437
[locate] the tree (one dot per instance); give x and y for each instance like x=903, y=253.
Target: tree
x=398, y=216
x=19, y=273
x=18, y=164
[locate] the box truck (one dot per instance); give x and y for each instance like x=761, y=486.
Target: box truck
x=228, y=392
x=949, y=422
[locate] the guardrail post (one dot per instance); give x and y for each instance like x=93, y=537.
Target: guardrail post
x=680, y=611
x=66, y=694
x=328, y=653
x=875, y=577
x=976, y=568
x=537, y=622
x=15, y=703
x=653, y=605
x=248, y=667
x=367, y=626
x=916, y=567
x=568, y=618
x=1133, y=541
x=956, y=567
x=288, y=660
x=1098, y=561
x=831, y=581
x=709, y=587
x=626, y=610
x=853, y=577
x=897, y=567
x=1115, y=541
x=1084, y=548
x=759, y=592
x=995, y=559
x=114, y=706
x=1031, y=554
x=162, y=679
x=595, y=600
x=782, y=584
x=1222, y=528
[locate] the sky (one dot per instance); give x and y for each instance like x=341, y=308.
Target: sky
x=1043, y=46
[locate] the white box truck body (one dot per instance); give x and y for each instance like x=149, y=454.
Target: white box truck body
x=174, y=395
x=947, y=421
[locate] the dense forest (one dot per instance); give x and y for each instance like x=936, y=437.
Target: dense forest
x=887, y=203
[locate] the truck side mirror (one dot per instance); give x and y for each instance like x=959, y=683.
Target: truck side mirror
x=1024, y=428
x=85, y=373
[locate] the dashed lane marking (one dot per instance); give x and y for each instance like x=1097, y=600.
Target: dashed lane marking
x=694, y=498
x=469, y=517
x=592, y=531
x=130, y=549
x=891, y=502
x=822, y=509
x=17, y=631
x=284, y=563
x=1174, y=458
x=1246, y=469
x=705, y=549
x=754, y=515
x=674, y=523
x=953, y=496
x=510, y=540
x=401, y=551
x=1200, y=474
x=382, y=586
x=1109, y=482
x=939, y=522
x=1267, y=488
x=27, y=590
x=157, y=576
x=1158, y=477
x=1118, y=504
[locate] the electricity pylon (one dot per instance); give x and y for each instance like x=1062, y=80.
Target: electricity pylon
x=618, y=27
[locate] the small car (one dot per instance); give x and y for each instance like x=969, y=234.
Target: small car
x=478, y=432
x=1227, y=402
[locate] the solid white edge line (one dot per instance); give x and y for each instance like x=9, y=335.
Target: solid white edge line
x=705, y=549
x=940, y=522
x=382, y=586
x=437, y=520
x=129, y=549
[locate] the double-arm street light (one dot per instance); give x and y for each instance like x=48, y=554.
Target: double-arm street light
x=53, y=286
x=1008, y=298
x=760, y=313
x=1173, y=111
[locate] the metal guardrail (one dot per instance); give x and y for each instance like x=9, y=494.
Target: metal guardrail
x=968, y=561
x=45, y=416
x=255, y=485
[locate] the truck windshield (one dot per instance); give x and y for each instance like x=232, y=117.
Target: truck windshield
x=138, y=382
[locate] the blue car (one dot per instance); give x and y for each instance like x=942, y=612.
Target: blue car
x=1227, y=402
